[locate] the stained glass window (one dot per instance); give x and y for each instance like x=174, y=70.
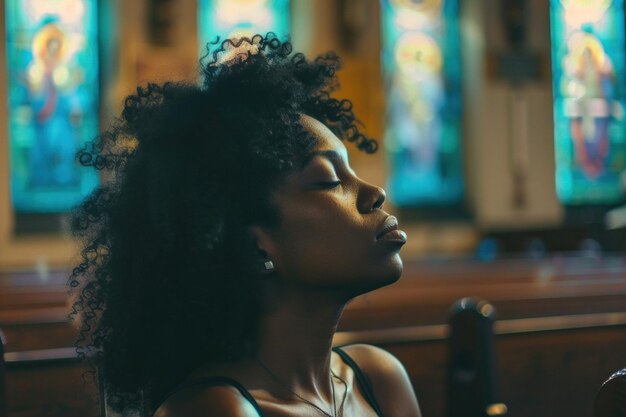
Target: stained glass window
x=237, y=18
x=588, y=85
x=422, y=72
x=52, y=60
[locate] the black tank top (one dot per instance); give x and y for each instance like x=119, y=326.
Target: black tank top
x=361, y=379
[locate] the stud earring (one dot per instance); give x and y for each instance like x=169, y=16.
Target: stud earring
x=269, y=266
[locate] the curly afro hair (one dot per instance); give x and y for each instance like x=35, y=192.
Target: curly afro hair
x=169, y=278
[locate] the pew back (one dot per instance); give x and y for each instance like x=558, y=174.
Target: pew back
x=472, y=383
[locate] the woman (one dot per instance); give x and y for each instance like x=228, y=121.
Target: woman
x=229, y=237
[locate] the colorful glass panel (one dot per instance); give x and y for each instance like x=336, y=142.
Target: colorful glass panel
x=52, y=60
x=422, y=72
x=238, y=18
x=588, y=85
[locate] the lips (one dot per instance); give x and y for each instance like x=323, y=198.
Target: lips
x=389, y=231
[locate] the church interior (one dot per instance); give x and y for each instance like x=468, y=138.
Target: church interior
x=502, y=132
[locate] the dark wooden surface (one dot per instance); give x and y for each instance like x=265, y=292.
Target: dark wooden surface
x=53, y=389
x=552, y=374
x=517, y=288
x=547, y=366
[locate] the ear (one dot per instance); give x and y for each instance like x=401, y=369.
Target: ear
x=264, y=241
x=265, y=247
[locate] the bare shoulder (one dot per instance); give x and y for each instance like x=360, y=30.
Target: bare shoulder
x=390, y=381
x=208, y=401
x=374, y=361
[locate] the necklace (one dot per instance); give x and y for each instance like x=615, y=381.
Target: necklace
x=332, y=385
x=345, y=393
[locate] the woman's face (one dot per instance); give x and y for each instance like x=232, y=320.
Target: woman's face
x=330, y=221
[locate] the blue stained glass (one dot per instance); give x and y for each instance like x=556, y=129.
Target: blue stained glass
x=422, y=72
x=52, y=60
x=238, y=18
x=588, y=86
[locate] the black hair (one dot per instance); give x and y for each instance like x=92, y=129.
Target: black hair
x=169, y=278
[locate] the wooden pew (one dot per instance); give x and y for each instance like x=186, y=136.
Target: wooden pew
x=49, y=382
x=558, y=319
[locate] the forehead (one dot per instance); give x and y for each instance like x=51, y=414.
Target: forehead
x=326, y=140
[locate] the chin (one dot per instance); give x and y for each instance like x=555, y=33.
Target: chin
x=394, y=277
x=396, y=267
x=385, y=276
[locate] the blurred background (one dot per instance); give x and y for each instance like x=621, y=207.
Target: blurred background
x=502, y=137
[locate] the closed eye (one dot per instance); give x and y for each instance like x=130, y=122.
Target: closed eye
x=328, y=185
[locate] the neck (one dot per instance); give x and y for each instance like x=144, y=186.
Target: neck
x=296, y=339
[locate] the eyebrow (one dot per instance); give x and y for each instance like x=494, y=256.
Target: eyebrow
x=330, y=154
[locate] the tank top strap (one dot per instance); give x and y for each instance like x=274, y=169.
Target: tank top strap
x=218, y=380
x=361, y=379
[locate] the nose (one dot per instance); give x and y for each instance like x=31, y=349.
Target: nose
x=371, y=197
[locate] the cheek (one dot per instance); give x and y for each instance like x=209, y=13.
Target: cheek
x=335, y=248
x=319, y=242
